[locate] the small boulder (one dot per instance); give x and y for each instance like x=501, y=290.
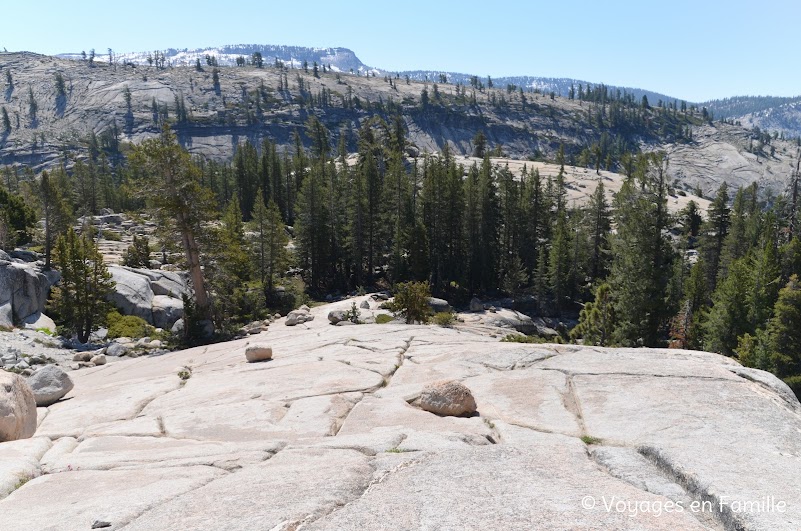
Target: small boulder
x=49, y=384
x=298, y=316
x=439, y=305
x=364, y=305
x=17, y=408
x=82, y=356
x=448, y=397
x=178, y=327
x=256, y=353
x=476, y=305
x=115, y=350
x=336, y=316
x=99, y=359
x=304, y=308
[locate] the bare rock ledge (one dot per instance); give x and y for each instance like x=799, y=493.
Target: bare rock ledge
x=328, y=436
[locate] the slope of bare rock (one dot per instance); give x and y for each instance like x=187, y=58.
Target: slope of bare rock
x=222, y=116
x=329, y=435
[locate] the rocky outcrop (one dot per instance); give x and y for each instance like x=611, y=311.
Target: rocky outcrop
x=153, y=295
x=23, y=292
x=49, y=384
x=17, y=408
x=299, y=316
x=329, y=435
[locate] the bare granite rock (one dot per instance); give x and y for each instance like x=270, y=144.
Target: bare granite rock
x=17, y=408
x=330, y=436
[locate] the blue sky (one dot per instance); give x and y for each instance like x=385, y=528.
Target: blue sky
x=690, y=50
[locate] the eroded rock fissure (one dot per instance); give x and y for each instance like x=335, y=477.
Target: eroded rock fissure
x=693, y=488
x=385, y=383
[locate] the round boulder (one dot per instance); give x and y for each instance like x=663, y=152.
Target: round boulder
x=256, y=353
x=449, y=398
x=439, y=305
x=49, y=384
x=476, y=305
x=17, y=408
x=336, y=316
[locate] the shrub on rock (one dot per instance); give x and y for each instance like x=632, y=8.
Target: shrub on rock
x=411, y=301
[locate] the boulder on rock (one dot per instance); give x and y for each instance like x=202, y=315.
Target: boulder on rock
x=82, y=356
x=166, y=311
x=439, y=305
x=298, y=316
x=132, y=293
x=178, y=327
x=448, y=398
x=115, y=350
x=476, y=305
x=17, y=408
x=336, y=316
x=99, y=359
x=23, y=292
x=256, y=353
x=39, y=321
x=49, y=385
x=364, y=305
x=155, y=296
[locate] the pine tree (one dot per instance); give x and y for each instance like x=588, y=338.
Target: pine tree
x=600, y=220
x=642, y=255
x=736, y=244
x=597, y=319
x=6, y=121
x=138, y=253
x=312, y=228
x=728, y=318
x=230, y=270
x=55, y=211
x=79, y=299
x=170, y=181
x=33, y=107
x=559, y=262
x=765, y=273
x=714, y=233
x=18, y=219
x=268, y=243
x=783, y=331
x=397, y=216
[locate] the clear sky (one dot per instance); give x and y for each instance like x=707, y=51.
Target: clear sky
x=693, y=50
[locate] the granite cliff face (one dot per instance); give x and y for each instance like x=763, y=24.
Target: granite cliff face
x=329, y=435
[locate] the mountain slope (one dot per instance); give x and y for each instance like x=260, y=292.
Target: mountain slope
x=254, y=103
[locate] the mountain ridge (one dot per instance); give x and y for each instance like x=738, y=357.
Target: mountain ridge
x=293, y=55
x=211, y=118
